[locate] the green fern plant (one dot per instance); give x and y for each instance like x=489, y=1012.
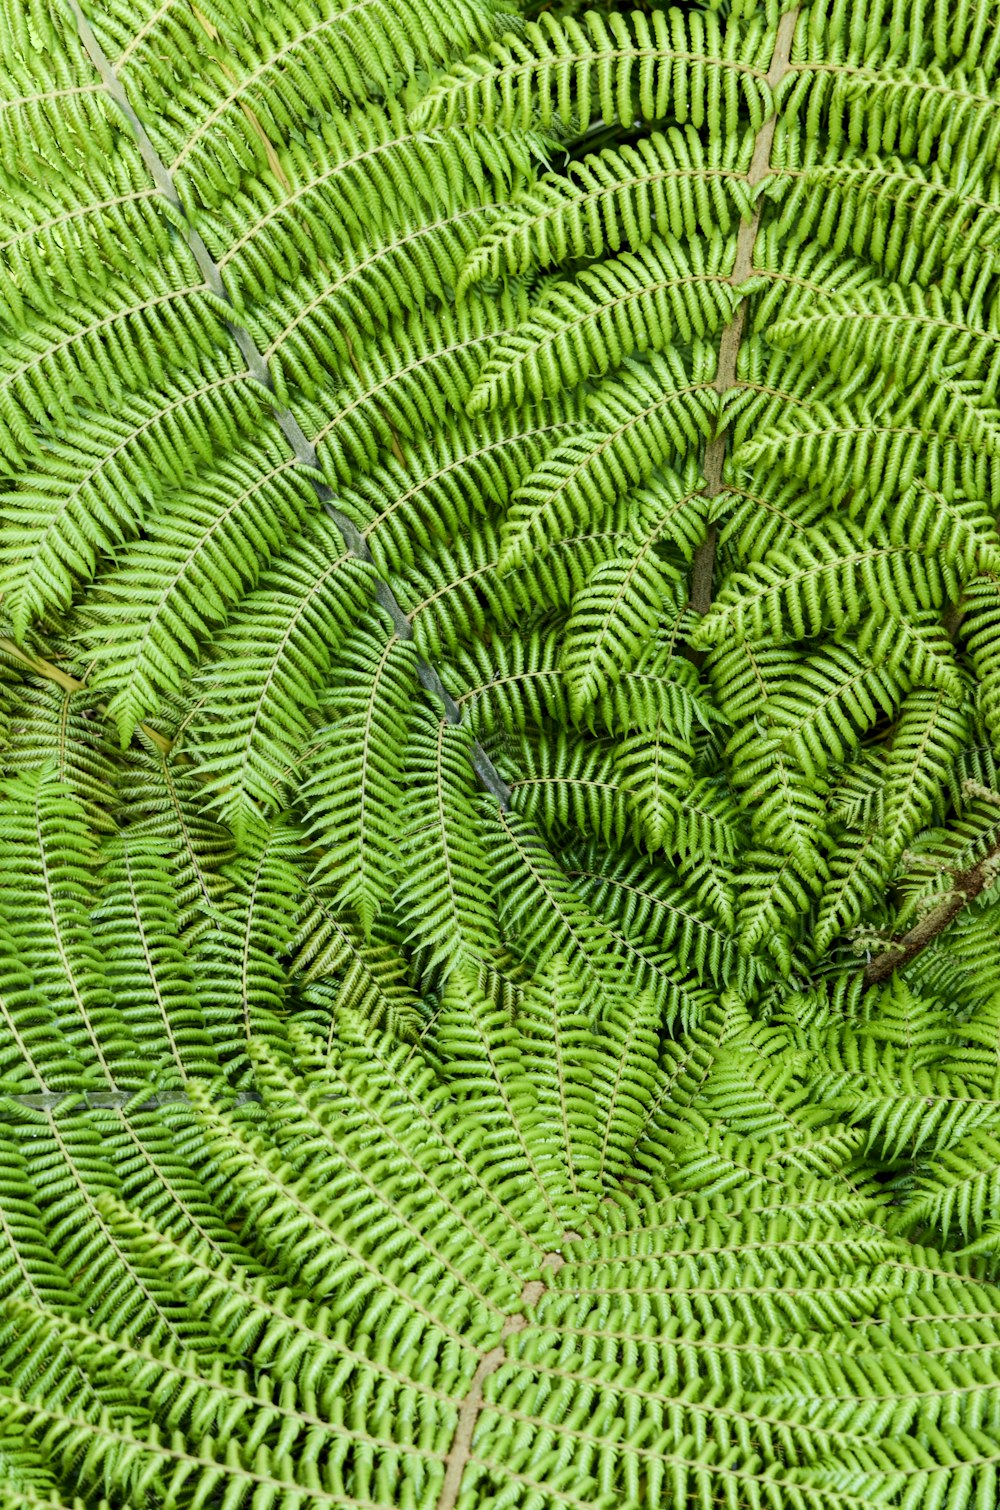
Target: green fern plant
x=392, y=1284
x=846, y=480
x=499, y=954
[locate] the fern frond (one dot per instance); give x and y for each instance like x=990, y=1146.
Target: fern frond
x=251, y=718
x=58, y=227
x=666, y=182
x=650, y=905
x=859, y=867
x=836, y=697
x=452, y=595
x=401, y=382
x=656, y=769
x=165, y=326
x=523, y=872
x=832, y=574
x=365, y=977
x=917, y=649
x=344, y=1265
x=929, y=733
x=443, y=903
x=912, y=220
x=884, y=449
x=89, y=491
x=35, y=108
x=979, y=632
x=446, y=482
x=660, y=688
x=35, y=1051
x=318, y=327
x=666, y=292
x=148, y=970
x=893, y=326
x=675, y=455
x=245, y=981
x=73, y=1167
x=709, y=825
x=960, y=1188
x=195, y=563
x=363, y=171
x=623, y=68
x=651, y=413
x=777, y=890
x=782, y=804
x=47, y=856
x=353, y=777
x=61, y=729
x=511, y=683
x=567, y=782
x=345, y=53
x=615, y=617
x=161, y=800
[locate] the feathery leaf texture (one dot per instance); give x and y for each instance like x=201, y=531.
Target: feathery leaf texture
x=499, y=717
x=398, y=1284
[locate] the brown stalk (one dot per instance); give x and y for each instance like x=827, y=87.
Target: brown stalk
x=703, y=566
x=460, y=1450
x=966, y=886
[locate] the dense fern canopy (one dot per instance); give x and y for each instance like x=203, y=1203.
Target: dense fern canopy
x=500, y=702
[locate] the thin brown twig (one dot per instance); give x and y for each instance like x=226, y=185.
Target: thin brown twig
x=460, y=1450
x=966, y=886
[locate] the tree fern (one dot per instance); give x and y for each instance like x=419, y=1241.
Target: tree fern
x=280, y=642
x=498, y=694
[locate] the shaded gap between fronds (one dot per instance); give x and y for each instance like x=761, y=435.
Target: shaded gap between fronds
x=50, y=673
x=303, y=450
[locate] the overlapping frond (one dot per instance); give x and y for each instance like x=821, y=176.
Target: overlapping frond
x=624, y=67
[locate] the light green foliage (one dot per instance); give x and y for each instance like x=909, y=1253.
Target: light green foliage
x=499, y=577
x=672, y=180
x=390, y=1274
x=623, y=68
